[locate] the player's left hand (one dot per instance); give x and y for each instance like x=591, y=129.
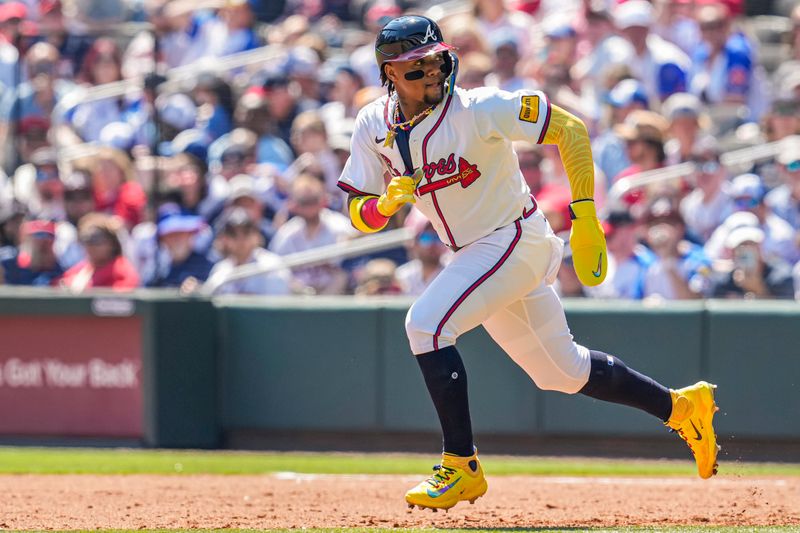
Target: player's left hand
x=588, y=243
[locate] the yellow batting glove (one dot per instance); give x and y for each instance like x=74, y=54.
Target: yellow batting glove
x=399, y=192
x=588, y=243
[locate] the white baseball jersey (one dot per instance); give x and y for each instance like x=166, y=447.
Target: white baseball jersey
x=472, y=184
x=477, y=200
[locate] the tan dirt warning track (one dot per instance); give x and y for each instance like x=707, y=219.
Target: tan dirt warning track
x=288, y=501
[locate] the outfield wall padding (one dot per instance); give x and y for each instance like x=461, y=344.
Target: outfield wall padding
x=206, y=368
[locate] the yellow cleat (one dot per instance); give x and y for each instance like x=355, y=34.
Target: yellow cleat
x=692, y=417
x=457, y=479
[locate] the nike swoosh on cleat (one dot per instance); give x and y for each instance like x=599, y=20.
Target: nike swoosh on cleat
x=378, y=141
x=599, y=266
x=699, y=436
x=437, y=493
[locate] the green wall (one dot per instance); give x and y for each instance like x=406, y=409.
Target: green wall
x=343, y=364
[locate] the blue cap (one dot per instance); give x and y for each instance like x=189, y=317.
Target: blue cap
x=180, y=224
x=627, y=92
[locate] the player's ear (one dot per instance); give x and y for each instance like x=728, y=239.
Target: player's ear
x=391, y=73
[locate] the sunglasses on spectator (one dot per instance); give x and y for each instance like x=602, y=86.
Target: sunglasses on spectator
x=746, y=202
x=240, y=231
x=706, y=166
x=233, y=158
x=46, y=173
x=307, y=201
x=42, y=67
x=94, y=239
x=794, y=166
x=77, y=196
x=712, y=25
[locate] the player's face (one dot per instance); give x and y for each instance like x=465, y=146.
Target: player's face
x=421, y=80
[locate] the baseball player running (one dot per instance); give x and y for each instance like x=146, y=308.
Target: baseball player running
x=449, y=152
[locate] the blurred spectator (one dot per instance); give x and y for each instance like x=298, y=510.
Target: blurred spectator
x=782, y=119
x=114, y=184
x=36, y=262
x=676, y=24
x=709, y=203
x=252, y=113
x=752, y=275
x=248, y=193
x=628, y=259
x=363, y=58
x=567, y=284
x=495, y=20
x=184, y=182
x=724, y=68
x=78, y=202
x=303, y=68
x=176, y=234
x=784, y=200
x=428, y=254
x=687, y=126
x=309, y=136
x=38, y=186
x=314, y=226
x=101, y=65
x=605, y=49
x=643, y=133
x=530, y=160
x=229, y=156
x=378, y=278
x=176, y=113
x=660, y=65
x=104, y=266
x=681, y=269
x=214, y=100
x=779, y=241
x=33, y=99
x=473, y=69
x=239, y=242
x=505, y=72
x=229, y=32
x=12, y=213
x=609, y=147
x=11, y=16
x=284, y=101
x=341, y=97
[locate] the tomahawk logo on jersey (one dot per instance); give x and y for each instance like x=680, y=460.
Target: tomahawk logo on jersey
x=451, y=148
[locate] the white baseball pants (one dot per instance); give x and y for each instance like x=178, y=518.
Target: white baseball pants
x=503, y=281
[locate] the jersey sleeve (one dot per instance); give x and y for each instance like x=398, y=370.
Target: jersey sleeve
x=363, y=172
x=519, y=116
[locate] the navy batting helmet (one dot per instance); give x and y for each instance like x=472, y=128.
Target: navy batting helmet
x=409, y=38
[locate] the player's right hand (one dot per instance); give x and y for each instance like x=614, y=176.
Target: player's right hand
x=399, y=192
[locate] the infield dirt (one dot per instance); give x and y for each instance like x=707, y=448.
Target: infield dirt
x=303, y=500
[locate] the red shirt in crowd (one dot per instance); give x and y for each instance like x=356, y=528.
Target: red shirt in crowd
x=128, y=205
x=119, y=274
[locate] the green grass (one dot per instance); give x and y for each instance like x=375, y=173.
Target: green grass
x=23, y=460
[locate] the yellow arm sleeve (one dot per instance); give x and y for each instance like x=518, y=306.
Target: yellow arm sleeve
x=356, y=216
x=569, y=133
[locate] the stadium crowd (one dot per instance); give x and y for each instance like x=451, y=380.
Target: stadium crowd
x=198, y=165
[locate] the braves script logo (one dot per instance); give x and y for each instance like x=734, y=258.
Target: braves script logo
x=466, y=175
x=428, y=35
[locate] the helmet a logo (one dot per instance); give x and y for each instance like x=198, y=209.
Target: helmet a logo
x=429, y=35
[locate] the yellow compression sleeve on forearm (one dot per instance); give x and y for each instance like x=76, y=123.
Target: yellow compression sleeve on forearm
x=569, y=133
x=357, y=215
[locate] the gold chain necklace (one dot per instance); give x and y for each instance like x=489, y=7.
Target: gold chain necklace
x=405, y=126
